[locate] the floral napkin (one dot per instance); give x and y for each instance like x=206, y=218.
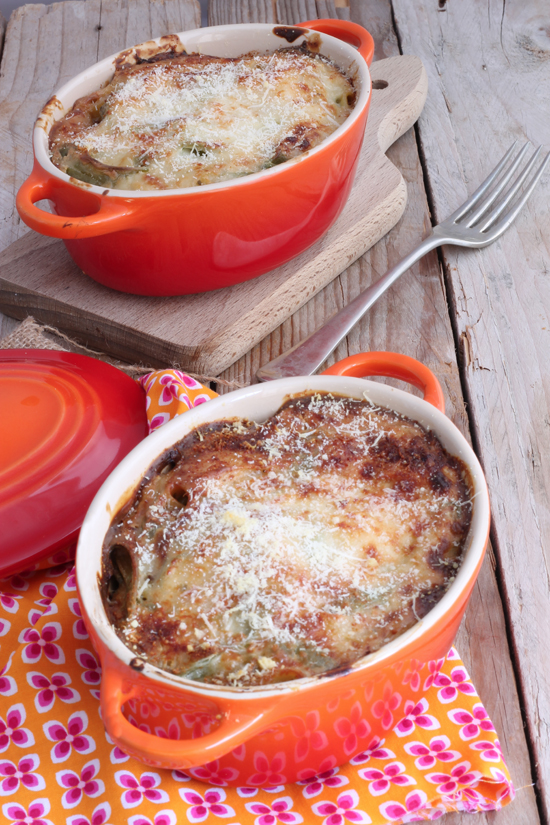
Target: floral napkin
x=59, y=767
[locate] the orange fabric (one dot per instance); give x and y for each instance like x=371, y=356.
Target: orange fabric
x=58, y=766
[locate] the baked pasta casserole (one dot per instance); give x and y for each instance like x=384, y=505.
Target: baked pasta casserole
x=259, y=553
x=174, y=120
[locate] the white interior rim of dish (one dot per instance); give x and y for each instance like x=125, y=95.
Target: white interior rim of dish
x=93, y=78
x=125, y=478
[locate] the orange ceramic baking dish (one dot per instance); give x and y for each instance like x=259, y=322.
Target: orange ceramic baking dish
x=180, y=241
x=307, y=725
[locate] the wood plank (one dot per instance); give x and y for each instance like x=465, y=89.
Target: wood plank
x=413, y=318
x=205, y=333
x=292, y=12
x=500, y=297
x=224, y=12
x=3, y=25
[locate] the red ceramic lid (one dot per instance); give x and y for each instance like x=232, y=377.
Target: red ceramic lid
x=67, y=421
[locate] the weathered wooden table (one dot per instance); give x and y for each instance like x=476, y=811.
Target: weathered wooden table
x=480, y=320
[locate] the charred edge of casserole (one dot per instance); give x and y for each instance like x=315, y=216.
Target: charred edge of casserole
x=117, y=577
x=420, y=458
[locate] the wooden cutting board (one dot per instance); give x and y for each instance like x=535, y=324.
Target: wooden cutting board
x=208, y=332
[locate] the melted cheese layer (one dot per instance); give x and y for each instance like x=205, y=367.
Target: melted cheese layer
x=288, y=549
x=196, y=119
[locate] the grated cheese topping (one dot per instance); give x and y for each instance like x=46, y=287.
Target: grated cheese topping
x=302, y=543
x=196, y=119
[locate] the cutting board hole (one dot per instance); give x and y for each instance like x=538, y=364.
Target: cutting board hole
x=380, y=84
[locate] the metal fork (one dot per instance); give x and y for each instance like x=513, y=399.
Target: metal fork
x=474, y=224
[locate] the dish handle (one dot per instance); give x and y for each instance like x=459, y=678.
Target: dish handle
x=351, y=33
x=392, y=365
x=110, y=216
x=236, y=726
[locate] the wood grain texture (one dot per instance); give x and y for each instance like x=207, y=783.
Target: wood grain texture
x=206, y=333
x=292, y=12
x=497, y=325
x=500, y=296
x=223, y=12
x=3, y=25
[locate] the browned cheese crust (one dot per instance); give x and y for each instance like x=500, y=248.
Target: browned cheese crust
x=177, y=120
x=254, y=554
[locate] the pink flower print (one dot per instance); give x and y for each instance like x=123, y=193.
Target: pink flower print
x=18, y=582
x=34, y=616
x=412, y=675
x=8, y=685
x=181, y=776
x=35, y=815
x=62, y=560
x=344, y=809
x=100, y=816
x=380, y=781
x=202, y=806
x=310, y=736
x=21, y=774
x=78, y=786
x=279, y=811
x=79, y=628
x=434, y=667
x=117, y=754
x=375, y=750
x=385, y=707
x=70, y=583
x=42, y=641
x=212, y=774
x=158, y=420
x=70, y=737
x=268, y=773
x=136, y=790
x=416, y=715
x=5, y=626
x=48, y=592
x=472, y=723
x=450, y=685
x=428, y=755
x=92, y=668
x=415, y=804
x=8, y=601
x=329, y=779
x=352, y=729
x=239, y=752
x=460, y=777
x=489, y=751
x=199, y=722
x=452, y=654
x=147, y=381
x=12, y=731
x=165, y=817
x=247, y=793
x=48, y=689
x=173, y=731
x=506, y=790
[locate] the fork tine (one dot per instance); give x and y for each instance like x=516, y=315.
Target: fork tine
x=503, y=182
x=480, y=191
x=509, y=218
x=493, y=215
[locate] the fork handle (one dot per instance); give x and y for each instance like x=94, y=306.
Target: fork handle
x=306, y=357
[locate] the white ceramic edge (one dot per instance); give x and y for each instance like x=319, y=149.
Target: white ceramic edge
x=93, y=77
x=258, y=402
